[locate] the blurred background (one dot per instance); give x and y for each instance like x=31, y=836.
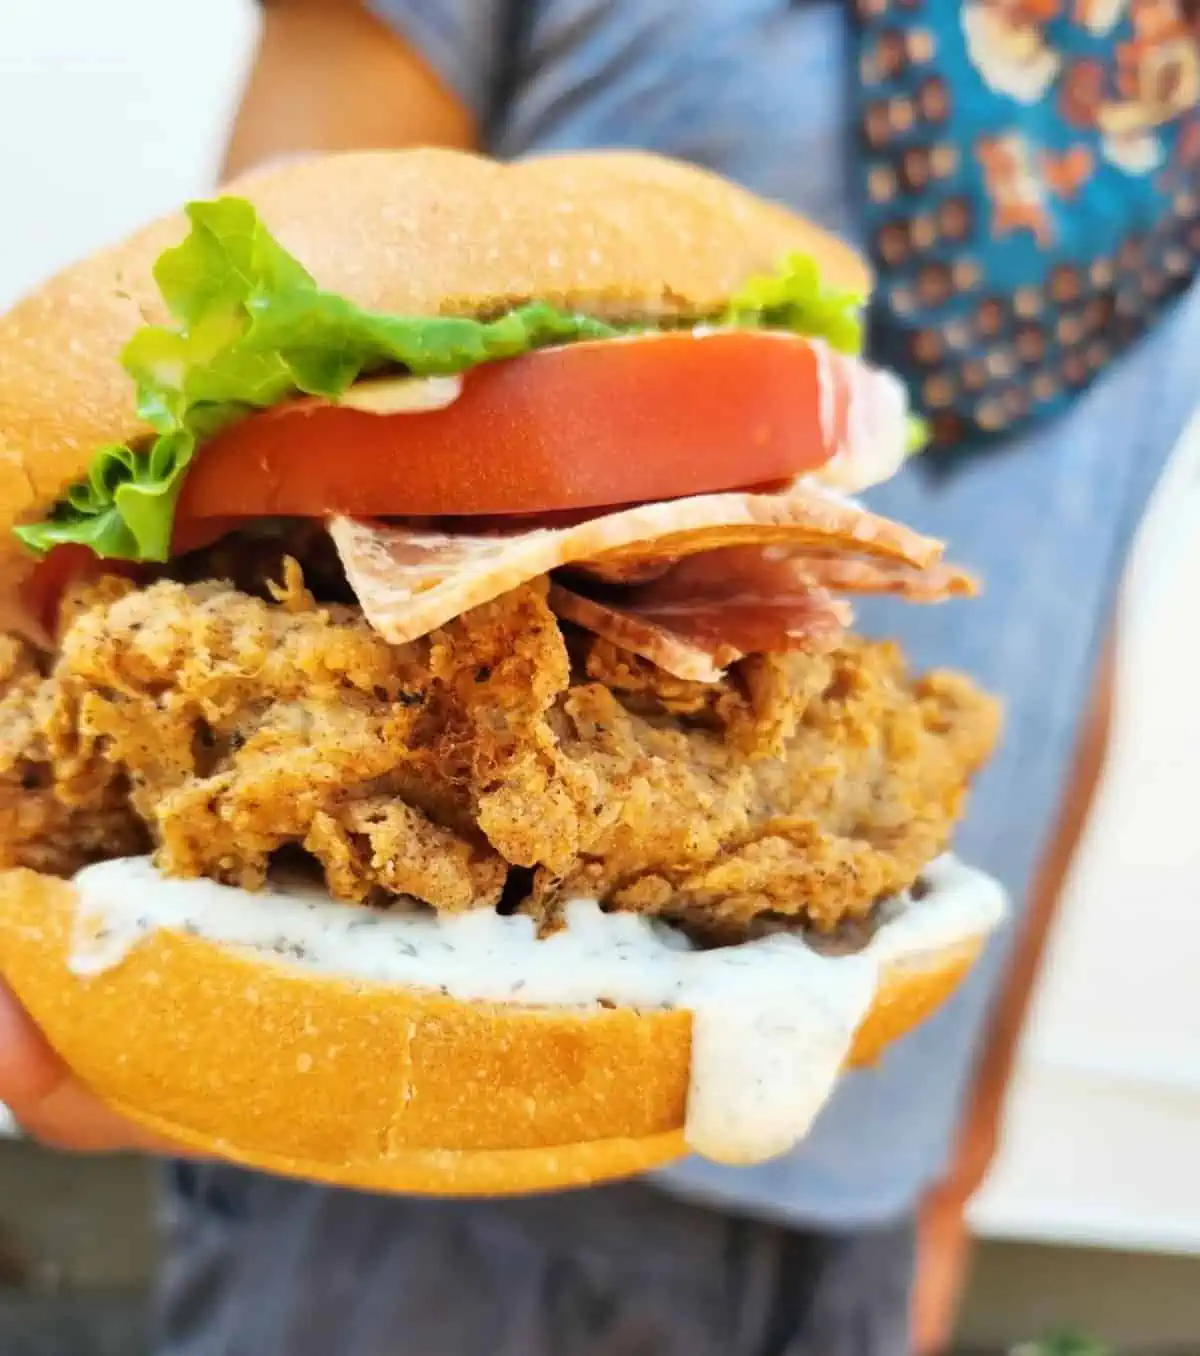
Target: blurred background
x=1090, y=1219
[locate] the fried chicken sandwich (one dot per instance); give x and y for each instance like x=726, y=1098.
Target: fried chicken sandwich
x=434, y=755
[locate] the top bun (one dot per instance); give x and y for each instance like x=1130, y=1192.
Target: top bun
x=417, y=232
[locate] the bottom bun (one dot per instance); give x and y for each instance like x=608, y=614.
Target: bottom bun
x=231, y=1054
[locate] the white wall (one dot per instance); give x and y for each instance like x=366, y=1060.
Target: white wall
x=111, y=111
x=1104, y=1114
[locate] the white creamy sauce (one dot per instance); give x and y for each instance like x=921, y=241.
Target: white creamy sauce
x=773, y=1020
x=402, y=395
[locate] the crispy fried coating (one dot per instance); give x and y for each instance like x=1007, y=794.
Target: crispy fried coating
x=40, y=828
x=224, y=728
x=855, y=784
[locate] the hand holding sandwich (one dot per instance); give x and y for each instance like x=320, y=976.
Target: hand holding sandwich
x=47, y=1099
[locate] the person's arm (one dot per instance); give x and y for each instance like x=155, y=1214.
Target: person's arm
x=328, y=76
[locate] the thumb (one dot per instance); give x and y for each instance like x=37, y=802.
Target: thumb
x=48, y=1101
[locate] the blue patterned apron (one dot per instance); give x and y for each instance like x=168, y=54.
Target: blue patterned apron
x=1032, y=193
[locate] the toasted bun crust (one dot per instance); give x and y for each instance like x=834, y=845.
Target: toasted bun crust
x=417, y=232
x=371, y=1086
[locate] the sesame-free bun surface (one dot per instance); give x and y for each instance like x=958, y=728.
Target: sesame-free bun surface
x=374, y=1086
x=411, y=232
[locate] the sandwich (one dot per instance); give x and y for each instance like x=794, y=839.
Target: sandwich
x=435, y=755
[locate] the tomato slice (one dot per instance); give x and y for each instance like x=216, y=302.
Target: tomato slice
x=43, y=588
x=585, y=426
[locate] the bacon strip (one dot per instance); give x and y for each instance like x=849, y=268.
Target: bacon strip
x=709, y=610
x=698, y=640
x=837, y=573
x=410, y=581
x=670, y=651
x=936, y=583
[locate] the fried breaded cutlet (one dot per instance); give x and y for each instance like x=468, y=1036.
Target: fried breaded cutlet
x=502, y=760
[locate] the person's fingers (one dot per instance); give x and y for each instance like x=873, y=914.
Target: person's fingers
x=48, y=1102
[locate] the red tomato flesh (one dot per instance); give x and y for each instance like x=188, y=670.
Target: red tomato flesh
x=585, y=426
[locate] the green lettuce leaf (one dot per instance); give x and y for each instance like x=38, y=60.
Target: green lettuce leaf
x=795, y=299
x=919, y=434
x=251, y=327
